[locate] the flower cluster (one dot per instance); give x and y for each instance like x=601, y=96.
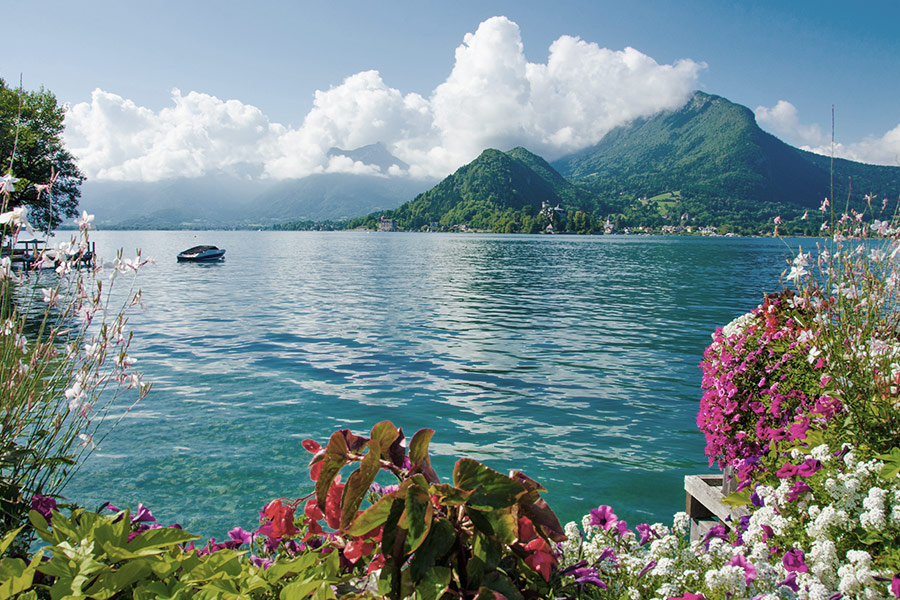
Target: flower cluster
x=765, y=381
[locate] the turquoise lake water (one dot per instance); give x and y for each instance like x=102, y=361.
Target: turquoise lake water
x=573, y=359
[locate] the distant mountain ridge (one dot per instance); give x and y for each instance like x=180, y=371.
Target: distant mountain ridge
x=375, y=155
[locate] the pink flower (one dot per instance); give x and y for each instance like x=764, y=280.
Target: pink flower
x=741, y=561
x=603, y=516
x=794, y=560
x=809, y=467
x=787, y=470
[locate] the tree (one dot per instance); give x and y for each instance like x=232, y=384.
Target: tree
x=31, y=148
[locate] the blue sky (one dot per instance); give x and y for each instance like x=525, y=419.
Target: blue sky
x=789, y=61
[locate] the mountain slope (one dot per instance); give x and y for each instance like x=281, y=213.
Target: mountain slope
x=497, y=189
x=713, y=152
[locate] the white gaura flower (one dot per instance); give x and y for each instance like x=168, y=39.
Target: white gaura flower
x=87, y=440
x=7, y=184
x=84, y=222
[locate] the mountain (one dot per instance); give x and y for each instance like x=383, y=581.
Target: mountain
x=500, y=191
x=724, y=166
x=230, y=201
x=375, y=155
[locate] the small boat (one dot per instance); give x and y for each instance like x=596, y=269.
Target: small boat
x=201, y=254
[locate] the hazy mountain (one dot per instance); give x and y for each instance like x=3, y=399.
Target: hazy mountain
x=231, y=201
x=374, y=155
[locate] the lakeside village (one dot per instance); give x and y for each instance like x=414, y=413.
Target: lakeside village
x=557, y=218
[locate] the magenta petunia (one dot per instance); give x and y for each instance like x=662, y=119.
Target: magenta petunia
x=794, y=560
x=603, y=516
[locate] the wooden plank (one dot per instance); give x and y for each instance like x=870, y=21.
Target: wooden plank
x=706, y=490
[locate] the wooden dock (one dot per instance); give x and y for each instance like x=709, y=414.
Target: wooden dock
x=705, y=506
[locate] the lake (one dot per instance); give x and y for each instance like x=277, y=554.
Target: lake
x=573, y=359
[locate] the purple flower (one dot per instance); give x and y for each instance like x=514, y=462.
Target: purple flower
x=741, y=561
x=608, y=554
x=622, y=527
x=649, y=566
x=895, y=585
x=588, y=575
x=262, y=563
x=143, y=515
x=239, y=535
x=791, y=581
x=44, y=505
x=646, y=533
x=716, y=531
x=809, y=467
x=603, y=516
x=794, y=560
x=756, y=500
x=799, y=487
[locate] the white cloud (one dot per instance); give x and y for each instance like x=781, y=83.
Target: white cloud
x=783, y=120
x=493, y=97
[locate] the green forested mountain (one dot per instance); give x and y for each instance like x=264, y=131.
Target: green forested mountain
x=498, y=191
x=725, y=167
x=705, y=164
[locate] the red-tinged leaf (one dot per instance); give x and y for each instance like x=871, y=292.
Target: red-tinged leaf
x=315, y=471
x=313, y=511
x=359, y=482
x=333, y=506
x=311, y=446
x=397, y=452
x=527, y=482
x=354, y=443
x=373, y=517
x=335, y=458
x=418, y=515
x=449, y=495
x=544, y=518
x=493, y=490
x=418, y=446
x=385, y=434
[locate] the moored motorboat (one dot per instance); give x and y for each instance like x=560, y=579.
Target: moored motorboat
x=201, y=254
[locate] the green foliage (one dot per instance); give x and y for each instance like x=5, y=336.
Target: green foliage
x=31, y=127
x=485, y=531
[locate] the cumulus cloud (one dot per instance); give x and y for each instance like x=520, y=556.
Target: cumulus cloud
x=493, y=97
x=783, y=120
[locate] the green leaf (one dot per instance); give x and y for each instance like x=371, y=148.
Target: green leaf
x=891, y=463
x=418, y=515
x=449, y=495
x=16, y=576
x=385, y=434
x=358, y=484
x=438, y=543
x=500, y=583
x=493, y=490
x=8, y=539
x=737, y=499
x=418, y=455
x=486, y=554
x=373, y=516
x=160, y=538
x=299, y=589
x=418, y=446
x=434, y=584
x=290, y=567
